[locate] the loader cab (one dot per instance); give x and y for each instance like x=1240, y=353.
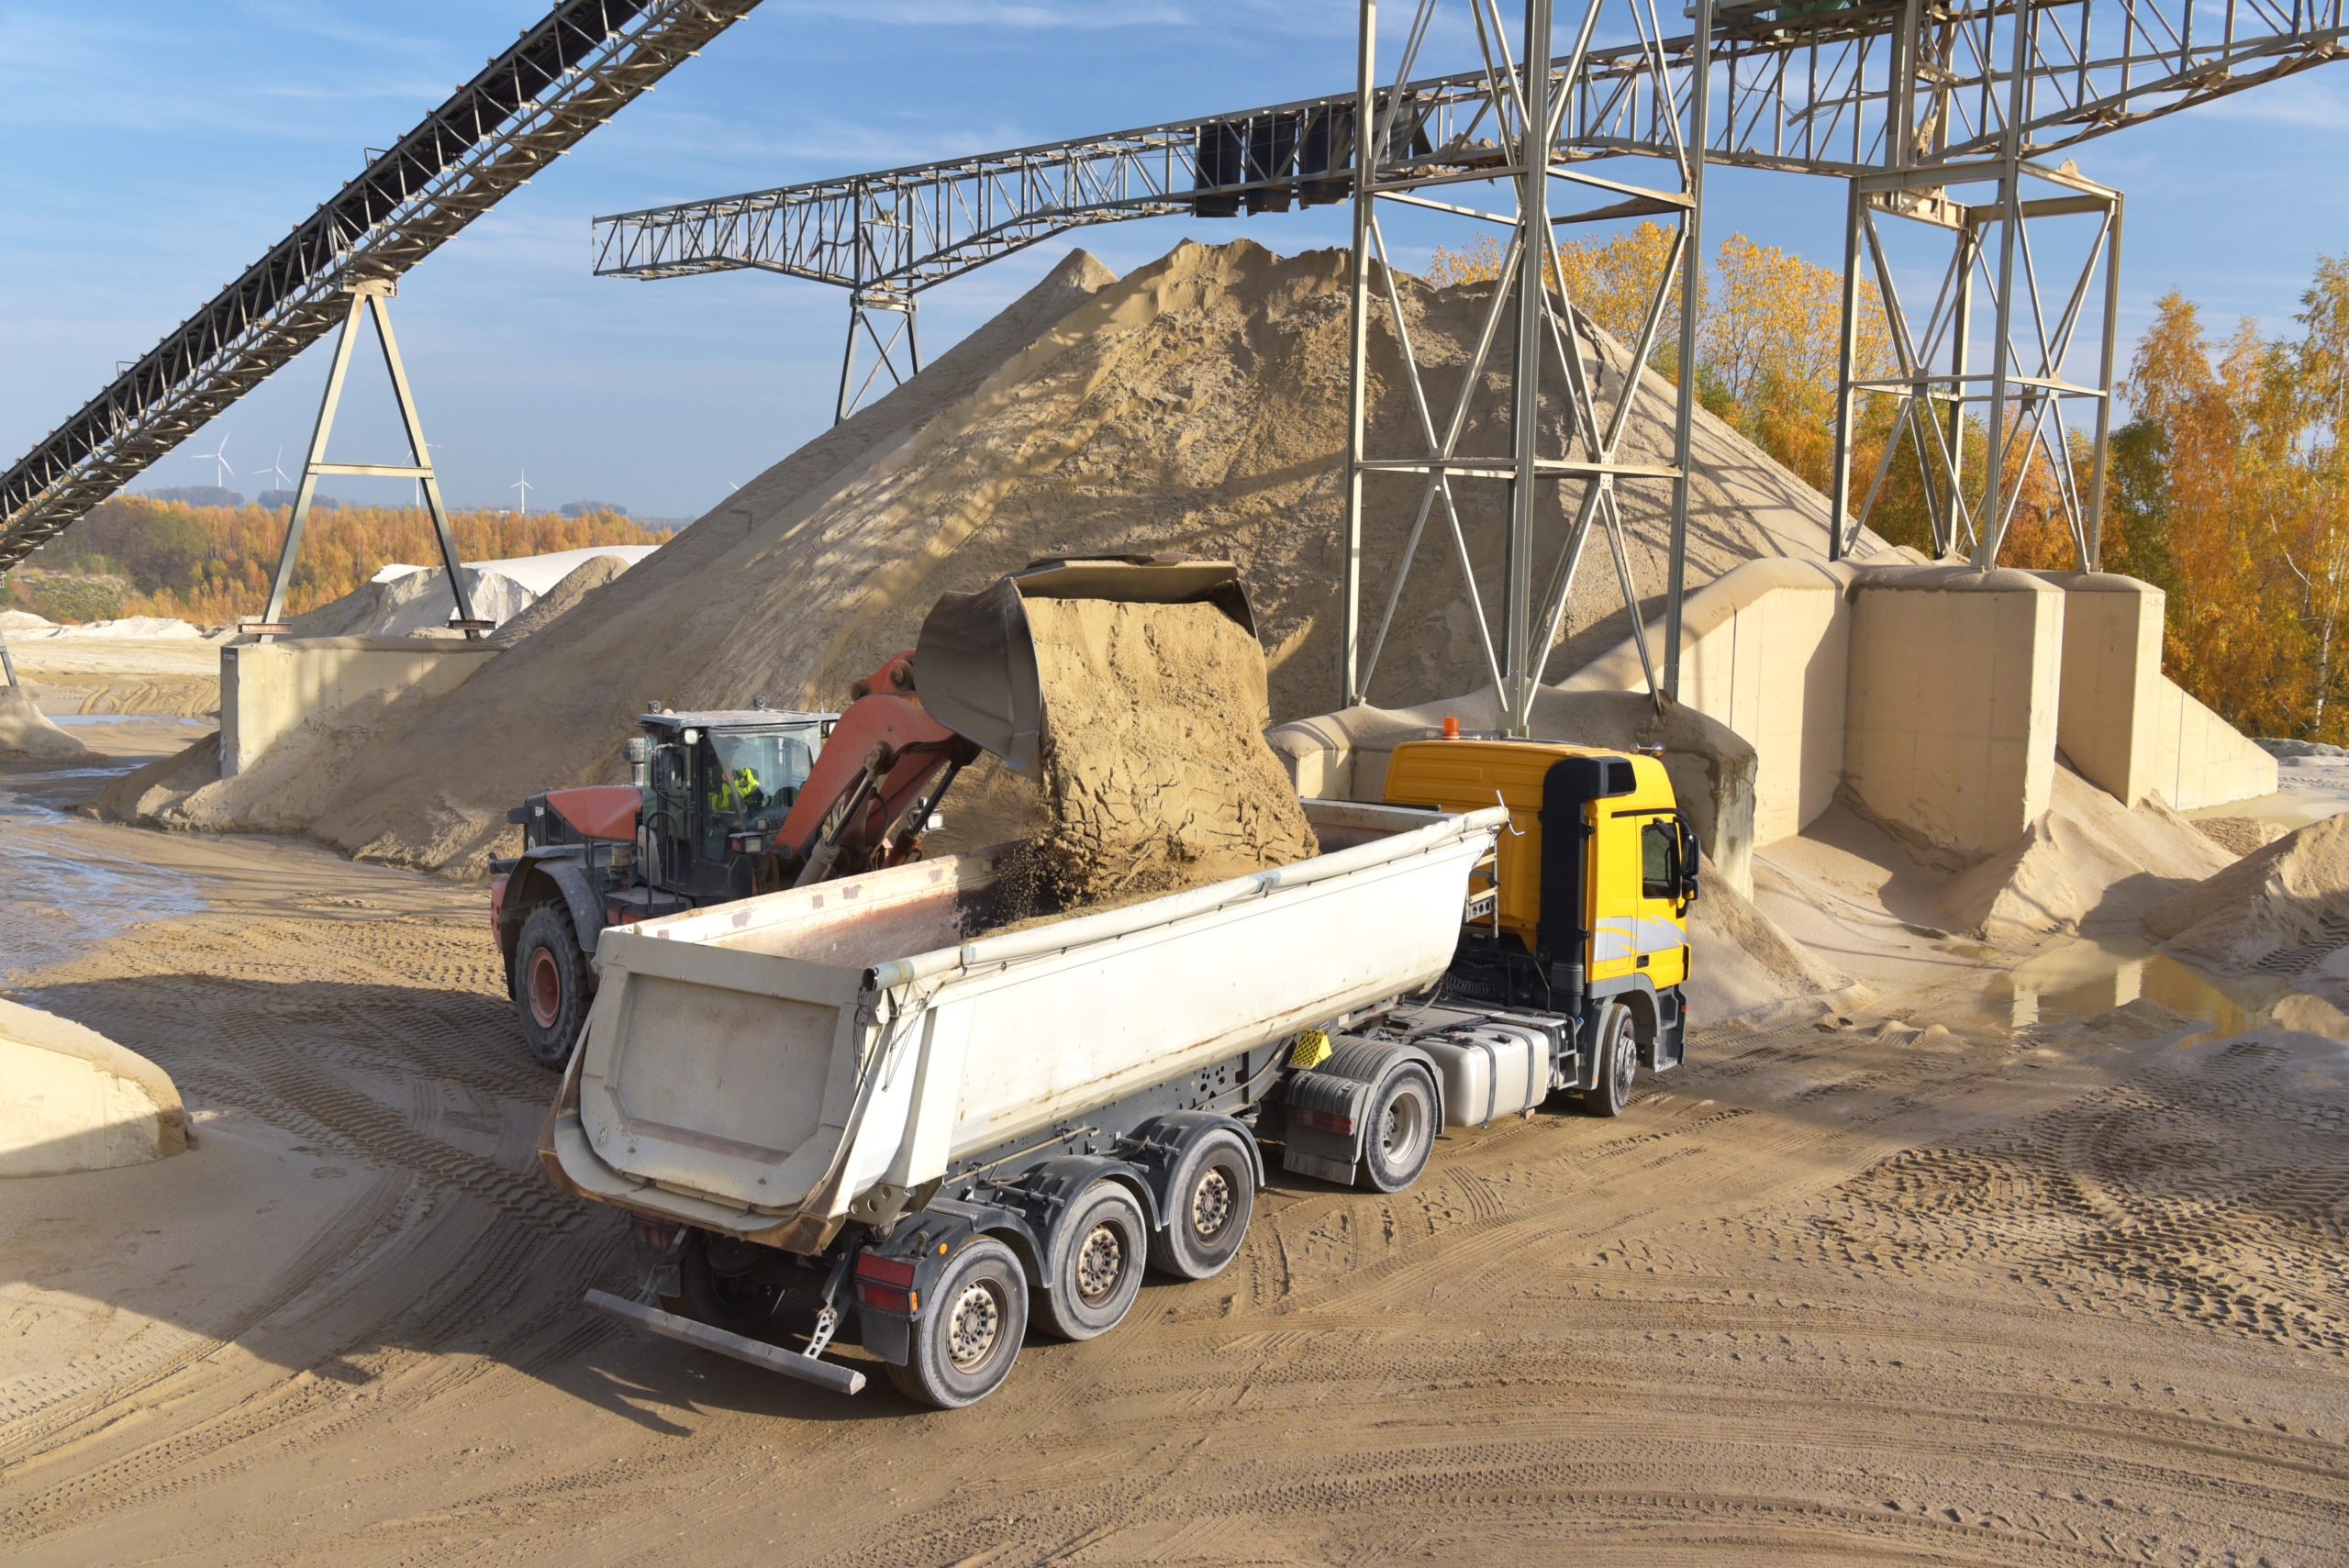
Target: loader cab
x=716, y=786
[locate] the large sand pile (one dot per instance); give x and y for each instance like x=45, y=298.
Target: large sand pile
x=25, y=732
x=1198, y=404
x=1155, y=771
x=413, y=603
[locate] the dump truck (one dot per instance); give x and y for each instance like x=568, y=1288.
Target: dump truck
x=846, y=1108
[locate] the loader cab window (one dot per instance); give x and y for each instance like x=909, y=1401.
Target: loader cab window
x=1659, y=860
x=749, y=779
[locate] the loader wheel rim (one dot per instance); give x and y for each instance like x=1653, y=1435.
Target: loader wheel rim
x=1100, y=1265
x=974, y=1325
x=1212, y=1206
x=546, y=988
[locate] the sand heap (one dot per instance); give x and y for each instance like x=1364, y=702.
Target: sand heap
x=2283, y=910
x=26, y=734
x=1155, y=771
x=1198, y=405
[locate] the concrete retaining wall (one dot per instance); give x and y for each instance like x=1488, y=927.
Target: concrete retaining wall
x=267, y=688
x=2199, y=759
x=71, y=1099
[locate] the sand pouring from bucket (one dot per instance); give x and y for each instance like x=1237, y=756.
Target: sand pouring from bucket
x=977, y=659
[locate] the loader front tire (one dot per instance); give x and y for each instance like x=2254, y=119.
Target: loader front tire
x=552, y=984
x=968, y=1335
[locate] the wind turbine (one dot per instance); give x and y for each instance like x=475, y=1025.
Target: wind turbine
x=274, y=468
x=523, y=484
x=220, y=456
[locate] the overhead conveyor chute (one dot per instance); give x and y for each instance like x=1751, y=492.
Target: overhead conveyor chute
x=564, y=77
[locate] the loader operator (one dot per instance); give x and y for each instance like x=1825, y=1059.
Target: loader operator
x=738, y=793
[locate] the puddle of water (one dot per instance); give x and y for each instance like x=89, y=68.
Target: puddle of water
x=64, y=896
x=2092, y=974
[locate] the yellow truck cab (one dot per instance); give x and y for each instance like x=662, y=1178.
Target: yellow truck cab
x=1588, y=914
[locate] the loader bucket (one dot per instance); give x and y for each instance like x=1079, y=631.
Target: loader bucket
x=975, y=663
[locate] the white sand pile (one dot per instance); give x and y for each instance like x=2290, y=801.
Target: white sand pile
x=538, y=574
x=132, y=628
x=2087, y=862
x=1155, y=773
x=1197, y=405
x=413, y=602
x=26, y=734
x=2283, y=910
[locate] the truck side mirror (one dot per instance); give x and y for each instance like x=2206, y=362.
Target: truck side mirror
x=1688, y=856
x=664, y=771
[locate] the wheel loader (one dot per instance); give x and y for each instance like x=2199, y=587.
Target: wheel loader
x=727, y=803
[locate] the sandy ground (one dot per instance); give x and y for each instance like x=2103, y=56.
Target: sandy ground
x=2068, y=1292
x=120, y=675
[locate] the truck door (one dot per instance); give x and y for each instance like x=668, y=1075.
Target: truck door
x=1662, y=938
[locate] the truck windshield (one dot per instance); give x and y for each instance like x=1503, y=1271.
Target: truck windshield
x=758, y=776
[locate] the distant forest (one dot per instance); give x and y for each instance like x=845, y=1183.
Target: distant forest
x=138, y=555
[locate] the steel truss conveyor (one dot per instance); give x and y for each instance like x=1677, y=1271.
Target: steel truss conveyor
x=1812, y=87
x=560, y=80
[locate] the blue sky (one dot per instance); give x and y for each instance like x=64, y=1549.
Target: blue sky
x=153, y=150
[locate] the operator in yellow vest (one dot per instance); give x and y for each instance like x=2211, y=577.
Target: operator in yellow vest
x=736, y=793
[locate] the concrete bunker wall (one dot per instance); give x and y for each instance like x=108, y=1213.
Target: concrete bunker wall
x=267, y=688
x=71, y=1099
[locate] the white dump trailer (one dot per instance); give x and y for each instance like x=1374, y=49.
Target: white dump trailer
x=832, y=1108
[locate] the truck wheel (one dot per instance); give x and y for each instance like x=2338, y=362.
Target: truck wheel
x=552, y=984
x=1104, y=1244
x=1617, y=1050
x=737, y=1304
x=968, y=1335
x=1208, y=1206
x=1401, y=1131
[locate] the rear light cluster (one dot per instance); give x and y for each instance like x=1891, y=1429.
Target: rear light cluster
x=887, y=1284
x=1329, y=1121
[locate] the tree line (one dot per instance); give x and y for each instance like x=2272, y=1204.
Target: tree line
x=2227, y=486
x=134, y=555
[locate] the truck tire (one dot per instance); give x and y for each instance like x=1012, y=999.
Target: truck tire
x=966, y=1339
x=1615, y=1050
x=1104, y=1246
x=1209, y=1202
x=552, y=984
x=1400, y=1133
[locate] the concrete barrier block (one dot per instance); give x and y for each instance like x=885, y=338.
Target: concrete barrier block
x=71, y=1099
x=1954, y=679
x=267, y=688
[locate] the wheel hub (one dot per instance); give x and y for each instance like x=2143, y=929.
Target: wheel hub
x=974, y=1325
x=546, y=989
x=1100, y=1265
x=1212, y=1206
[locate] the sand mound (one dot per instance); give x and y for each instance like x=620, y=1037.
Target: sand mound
x=2283, y=909
x=283, y=789
x=2240, y=835
x=1198, y=404
x=412, y=603
x=574, y=585
x=23, y=620
x=1744, y=965
x=25, y=732
x=2088, y=861
x=138, y=795
x=1155, y=771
